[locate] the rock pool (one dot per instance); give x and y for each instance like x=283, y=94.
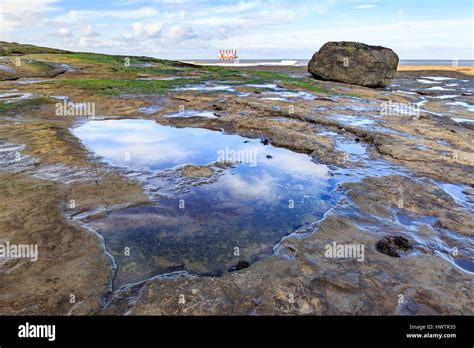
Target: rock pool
x=266, y=194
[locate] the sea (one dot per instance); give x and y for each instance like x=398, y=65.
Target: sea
x=304, y=62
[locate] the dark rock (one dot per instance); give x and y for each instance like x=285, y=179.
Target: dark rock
x=424, y=93
x=324, y=99
x=269, y=156
x=355, y=63
x=264, y=141
x=240, y=265
x=393, y=245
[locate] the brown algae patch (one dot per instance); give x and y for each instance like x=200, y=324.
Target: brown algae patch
x=199, y=171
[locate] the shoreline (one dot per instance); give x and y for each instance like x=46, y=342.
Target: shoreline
x=465, y=69
x=289, y=62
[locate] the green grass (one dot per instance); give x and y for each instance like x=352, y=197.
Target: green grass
x=307, y=84
x=119, y=60
x=41, y=65
x=116, y=64
x=350, y=49
x=117, y=87
x=220, y=70
x=14, y=48
x=146, y=70
x=103, y=58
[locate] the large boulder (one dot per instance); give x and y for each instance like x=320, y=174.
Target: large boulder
x=355, y=63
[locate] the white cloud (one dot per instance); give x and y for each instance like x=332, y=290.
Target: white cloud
x=65, y=32
x=94, y=44
x=239, y=7
x=321, y=7
x=415, y=40
x=15, y=14
x=81, y=15
x=180, y=33
x=88, y=31
x=260, y=188
x=84, y=42
x=258, y=28
x=145, y=31
x=364, y=7
x=257, y=19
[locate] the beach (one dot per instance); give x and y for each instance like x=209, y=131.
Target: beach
x=466, y=69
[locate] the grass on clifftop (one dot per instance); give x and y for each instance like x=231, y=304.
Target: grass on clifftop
x=104, y=58
x=14, y=48
x=119, y=60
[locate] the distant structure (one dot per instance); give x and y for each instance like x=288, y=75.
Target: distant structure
x=228, y=55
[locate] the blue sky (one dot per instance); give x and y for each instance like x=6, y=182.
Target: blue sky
x=187, y=29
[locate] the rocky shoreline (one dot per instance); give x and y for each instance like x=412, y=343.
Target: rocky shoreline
x=398, y=175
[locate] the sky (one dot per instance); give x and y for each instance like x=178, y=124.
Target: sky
x=258, y=29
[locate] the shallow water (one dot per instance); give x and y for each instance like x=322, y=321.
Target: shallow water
x=466, y=265
x=192, y=113
x=438, y=78
x=456, y=192
x=462, y=120
x=14, y=95
x=285, y=94
x=263, y=85
x=169, y=78
x=241, y=215
x=353, y=120
x=469, y=107
x=352, y=148
x=149, y=109
x=207, y=88
x=27, y=81
x=427, y=81
x=7, y=69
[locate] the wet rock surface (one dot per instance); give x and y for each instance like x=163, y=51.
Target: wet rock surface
x=400, y=174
